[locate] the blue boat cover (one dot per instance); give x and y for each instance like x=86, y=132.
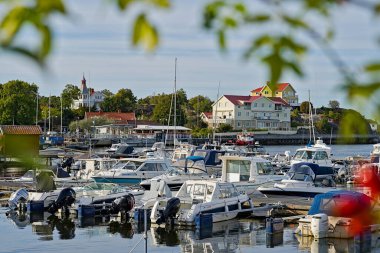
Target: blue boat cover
x=318, y=170
x=341, y=203
x=194, y=158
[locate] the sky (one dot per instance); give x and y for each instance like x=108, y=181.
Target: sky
x=94, y=40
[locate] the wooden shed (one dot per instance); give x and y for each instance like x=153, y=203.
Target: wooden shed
x=19, y=141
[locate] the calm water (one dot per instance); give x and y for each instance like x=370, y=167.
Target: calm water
x=50, y=234
x=340, y=151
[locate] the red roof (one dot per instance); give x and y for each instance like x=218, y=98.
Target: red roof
x=236, y=99
x=116, y=116
x=208, y=114
x=279, y=87
x=239, y=100
x=282, y=86
x=258, y=89
x=277, y=100
x=24, y=130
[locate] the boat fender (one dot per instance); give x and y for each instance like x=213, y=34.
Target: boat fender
x=171, y=209
x=122, y=204
x=65, y=199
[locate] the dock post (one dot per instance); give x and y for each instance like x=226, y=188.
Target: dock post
x=146, y=230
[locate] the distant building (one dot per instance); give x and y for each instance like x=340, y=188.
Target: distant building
x=282, y=90
x=88, y=97
x=116, y=117
x=251, y=112
x=19, y=141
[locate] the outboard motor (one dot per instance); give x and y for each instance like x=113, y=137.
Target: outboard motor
x=65, y=199
x=172, y=208
x=17, y=197
x=122, y=204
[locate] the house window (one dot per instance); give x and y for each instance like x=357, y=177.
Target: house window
x=270, y=105
x=262, y=105
x=239, y=113
x=276, y=92
x=278, y=115
x=255, y=104
x=238, y=123
x=266, y=92
x=285, y=115
x=264, y=114
x=248, y=123
x=247, y=113
x=255, y=115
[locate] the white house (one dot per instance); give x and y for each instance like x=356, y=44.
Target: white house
x=88, y=97
x=251, y=112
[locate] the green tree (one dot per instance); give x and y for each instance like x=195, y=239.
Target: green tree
x=164, y=107
x=224, y=128
x=107, y=93
x=69, y=94
x=200, y=104
x=305, y=106
x=323, y=126
x=333, y=104
x=18, y=103
x=123, y=101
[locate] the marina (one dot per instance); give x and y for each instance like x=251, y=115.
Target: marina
x=111, y=210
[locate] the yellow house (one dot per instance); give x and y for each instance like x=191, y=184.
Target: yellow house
x=283, y=90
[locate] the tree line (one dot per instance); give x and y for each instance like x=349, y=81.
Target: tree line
x=18, y=106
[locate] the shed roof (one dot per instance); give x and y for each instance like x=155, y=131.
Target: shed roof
x=23, y=129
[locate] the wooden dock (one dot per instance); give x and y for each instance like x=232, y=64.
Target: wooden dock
x=289, y=206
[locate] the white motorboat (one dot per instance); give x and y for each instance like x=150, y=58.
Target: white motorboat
x=191, y=168
x=182, y=151
x=115, y=147
x=338, y=214
x=196, y=197
x=248, y=173
x=318, y=153
x=133, y=170
x=301, y=181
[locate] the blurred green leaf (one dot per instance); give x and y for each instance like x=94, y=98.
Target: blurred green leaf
x=351, y=124
x=230, y=22
x=376, y=8
x=124, y=4
x=258, y=18
x=295, y=22
x=362, y=90
x=240, y=7
x=373, y=67
x=161, y=3
x=50, y=6
x=144, y=33
x=221, y=39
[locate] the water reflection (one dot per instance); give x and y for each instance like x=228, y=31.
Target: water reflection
x=364, y=243
x=227, y=236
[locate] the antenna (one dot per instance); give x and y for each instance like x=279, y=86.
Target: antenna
x=216, y=111
x=175, y=101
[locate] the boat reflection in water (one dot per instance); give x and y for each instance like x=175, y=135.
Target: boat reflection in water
x=228, y=236
x=366, y=242
x=44, y=225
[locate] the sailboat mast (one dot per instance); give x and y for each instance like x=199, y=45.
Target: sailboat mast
x=311, y=119
x=175, y=101
x=215, y=114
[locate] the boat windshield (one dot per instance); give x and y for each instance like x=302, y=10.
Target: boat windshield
x=264, y=168
x=304, y=154
x=28, y=174
x=127, y=165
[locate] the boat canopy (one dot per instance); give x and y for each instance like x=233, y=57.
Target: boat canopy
x=340, y=203
x=310, y=168
x=211, y=157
